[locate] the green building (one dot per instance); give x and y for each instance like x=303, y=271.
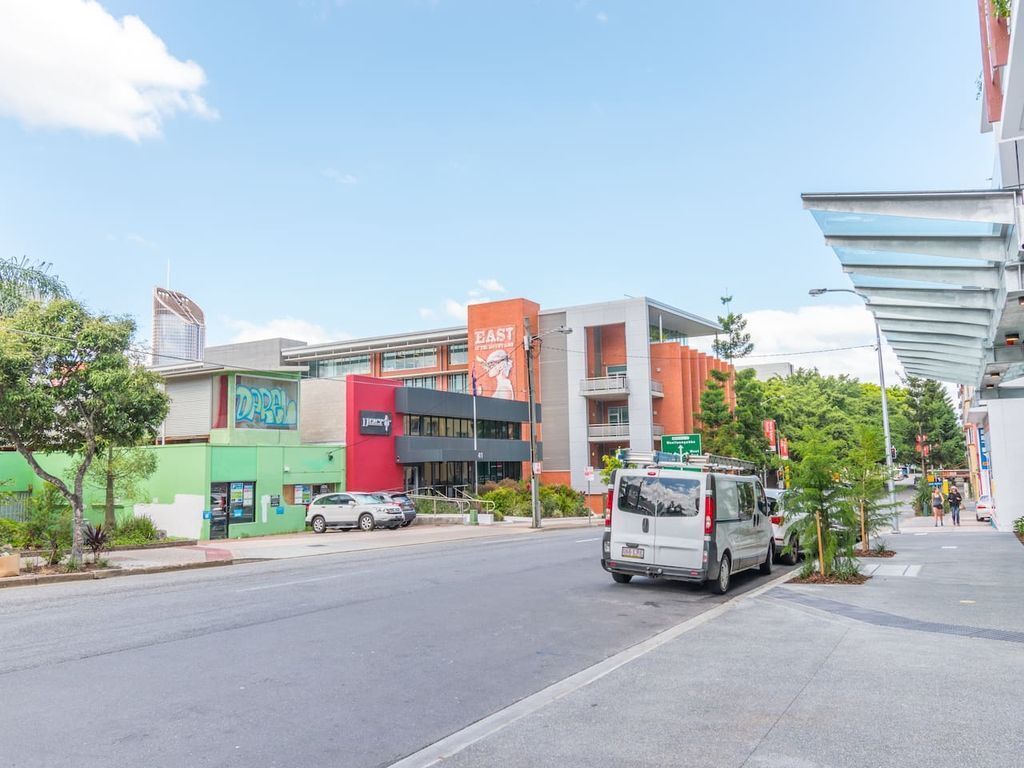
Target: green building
x=221, y=471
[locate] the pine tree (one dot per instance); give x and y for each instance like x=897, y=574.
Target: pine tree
x=718, y=425
x=737, y=341
x=751, y=412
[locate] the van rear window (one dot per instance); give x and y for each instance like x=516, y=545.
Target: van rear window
x=664, y=496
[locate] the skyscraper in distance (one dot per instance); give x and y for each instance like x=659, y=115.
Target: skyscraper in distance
x=179, y=328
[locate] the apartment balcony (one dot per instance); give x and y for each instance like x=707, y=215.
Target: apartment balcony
x=657, y=389
x=613, y=387
x=601, y=433
x=657, y=430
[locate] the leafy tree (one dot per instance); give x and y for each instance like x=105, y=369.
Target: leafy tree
x=819, y=492
x=718, y=426
x=68, y=385
x=737, y=341
x=751, y=412
x=609, y=465
x=865, y=472
x=49, y=522
x=119, y=472
x=22, y=281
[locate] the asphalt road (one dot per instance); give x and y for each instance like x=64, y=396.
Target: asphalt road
x=343, y=660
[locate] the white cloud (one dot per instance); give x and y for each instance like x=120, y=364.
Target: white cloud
x=490, y=284
x=342, y=178
x=132, y=237
x=426, y=313
x=778, y=334
x=288, y=327
x=70, y=64
x=602, y=17
x=456, y=309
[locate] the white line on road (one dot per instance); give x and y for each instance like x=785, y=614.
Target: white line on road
x=580, y=541
x=488, y=726
x=949, y=546
x=305, y=581
x=913, y=570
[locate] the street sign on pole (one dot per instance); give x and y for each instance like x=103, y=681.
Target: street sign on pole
x=681, y=444
x=588, y=473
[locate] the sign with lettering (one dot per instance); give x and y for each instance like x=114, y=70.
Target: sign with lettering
x=494, y=362
x=681, y=444
x=769, y=434
x=374, y=423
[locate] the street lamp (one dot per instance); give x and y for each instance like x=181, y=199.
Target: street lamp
x=885, y=402
x=528, y=340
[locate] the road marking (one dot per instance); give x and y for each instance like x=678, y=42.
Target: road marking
x=921, y=534
x=580, y=541
x=966, y=602
x=950, y=546
x=304, y=581
x=913, y=570
x=454, y=743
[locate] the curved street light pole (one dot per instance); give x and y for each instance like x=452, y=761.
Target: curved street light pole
x=885, y=406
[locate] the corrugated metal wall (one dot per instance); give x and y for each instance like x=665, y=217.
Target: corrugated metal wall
x=191, y=407
x=554, y=390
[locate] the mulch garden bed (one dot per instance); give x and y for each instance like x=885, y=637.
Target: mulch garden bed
x=50, y=570
x=817, y=578
x=1020, y=537
x=873, y=553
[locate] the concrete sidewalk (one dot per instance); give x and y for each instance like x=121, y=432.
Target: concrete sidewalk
x=920, y=670
x=333, y=542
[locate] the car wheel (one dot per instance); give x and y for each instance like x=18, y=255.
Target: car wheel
x=721, y=585
x=769, y=561
x=319, y=524
x=794, y=552
x=366, y=522
x=976, y=517
x=622, y=578
x=407, y=523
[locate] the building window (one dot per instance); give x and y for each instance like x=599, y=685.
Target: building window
x=331, y=369
x=458, y=382
x=615, y=370
x=421, y=382
x=664, y=334
x=236, y=499
x=458, y=354
x=618, y=414
x=409, y=359
x=447, y=426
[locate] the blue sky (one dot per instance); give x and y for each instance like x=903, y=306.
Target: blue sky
x=361, y=167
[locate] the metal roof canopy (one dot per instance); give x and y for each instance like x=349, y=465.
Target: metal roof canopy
x=930, y=266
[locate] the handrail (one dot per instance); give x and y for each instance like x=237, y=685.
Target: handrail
x=486, y=505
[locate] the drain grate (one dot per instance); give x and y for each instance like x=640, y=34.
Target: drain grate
x=883, y=619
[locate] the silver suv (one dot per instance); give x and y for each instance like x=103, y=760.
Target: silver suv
x=351, y=510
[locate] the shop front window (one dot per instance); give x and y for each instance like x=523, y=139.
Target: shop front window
x=237, y=499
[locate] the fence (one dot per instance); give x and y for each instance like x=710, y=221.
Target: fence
x=14, y=506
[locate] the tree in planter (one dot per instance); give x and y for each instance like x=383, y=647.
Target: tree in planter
x=819, y=508
x=865, y=471
x=718, y=425
x=120, y=472
x=68, y=385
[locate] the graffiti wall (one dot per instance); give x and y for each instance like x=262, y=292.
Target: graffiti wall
x=266, y=403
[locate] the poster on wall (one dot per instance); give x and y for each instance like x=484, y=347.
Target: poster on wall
x=237, y=494
x=493, y=366
x=248, y=490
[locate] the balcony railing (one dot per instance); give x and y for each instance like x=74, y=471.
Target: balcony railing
x=657, y=430
x=657, y=389
x=607, y=431
x=616, y=384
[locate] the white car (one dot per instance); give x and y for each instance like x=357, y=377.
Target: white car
x=686, y=526
x=781, y=533
x=984, y=508
x=351, y=510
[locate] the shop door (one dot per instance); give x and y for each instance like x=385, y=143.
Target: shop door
x=219, y=511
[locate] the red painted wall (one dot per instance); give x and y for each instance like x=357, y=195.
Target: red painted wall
x=370, y=463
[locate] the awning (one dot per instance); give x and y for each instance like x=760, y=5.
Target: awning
x=930, y=266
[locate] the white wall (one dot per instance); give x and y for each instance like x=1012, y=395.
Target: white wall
x=1006, y=449
x=183, y=517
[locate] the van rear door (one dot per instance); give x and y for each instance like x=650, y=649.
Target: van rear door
x=678, y=497
x=633, y=521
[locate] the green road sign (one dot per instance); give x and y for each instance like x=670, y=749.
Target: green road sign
x=681, y=443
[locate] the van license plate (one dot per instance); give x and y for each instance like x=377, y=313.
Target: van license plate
x=633, y=552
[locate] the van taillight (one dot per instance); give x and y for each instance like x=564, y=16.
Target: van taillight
x=709, y=514
x=608, y=509
x=776, y=519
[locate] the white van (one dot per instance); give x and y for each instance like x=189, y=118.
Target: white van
x=686, y=525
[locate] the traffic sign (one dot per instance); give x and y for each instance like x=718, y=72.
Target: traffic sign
x=588, y=473
x=689, y=443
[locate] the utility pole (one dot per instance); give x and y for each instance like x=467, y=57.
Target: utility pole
x=528, y=340
x=888, y=436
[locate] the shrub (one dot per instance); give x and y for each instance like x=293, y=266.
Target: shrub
x=49, y=523
x=1018, y=526
x=135, y=531
x=13, y=534
x=96, y=539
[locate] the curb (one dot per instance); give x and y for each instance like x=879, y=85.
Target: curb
x=58, y=578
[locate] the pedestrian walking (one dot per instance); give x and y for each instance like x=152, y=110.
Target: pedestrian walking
x=937, y=511
x=955, y=500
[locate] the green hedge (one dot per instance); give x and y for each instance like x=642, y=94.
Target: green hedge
x=555, y=500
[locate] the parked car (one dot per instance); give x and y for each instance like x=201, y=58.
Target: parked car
x=781, y=528
x=351, y=510
x=408, y=505
x=984, y=508
x=701, y=527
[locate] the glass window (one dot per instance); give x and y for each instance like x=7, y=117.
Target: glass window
x=615, y=370
x=727, y=505
x=238, y=499
x=747, y=500
x=458, y=382
x=630, y=497
x=409, y=359
x=664, y=496
x=327, y=369
x=458, y=354
x=421, y=382
x=618, y=414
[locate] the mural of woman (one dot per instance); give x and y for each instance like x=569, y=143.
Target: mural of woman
x=499, y=367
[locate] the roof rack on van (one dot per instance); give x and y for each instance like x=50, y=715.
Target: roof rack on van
x=705, y=462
